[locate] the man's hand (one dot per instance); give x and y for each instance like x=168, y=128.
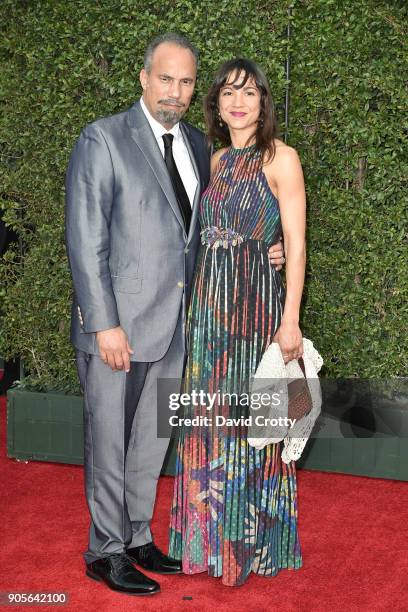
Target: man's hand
x=114, y=348
x=276, y=255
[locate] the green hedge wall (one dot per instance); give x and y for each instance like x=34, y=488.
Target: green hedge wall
x=349, y=96
x=65, y=64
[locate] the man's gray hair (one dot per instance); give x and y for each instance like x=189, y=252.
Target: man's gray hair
x=168, y=37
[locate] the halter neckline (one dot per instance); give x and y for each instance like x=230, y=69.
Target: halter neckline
x=242, y=149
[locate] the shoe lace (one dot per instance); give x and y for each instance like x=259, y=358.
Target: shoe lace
x=119, y=561
x=147, y=550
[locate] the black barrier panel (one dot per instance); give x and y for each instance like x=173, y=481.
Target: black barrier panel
x=334, y=408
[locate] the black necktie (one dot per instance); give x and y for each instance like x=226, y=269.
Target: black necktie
x=179, y=189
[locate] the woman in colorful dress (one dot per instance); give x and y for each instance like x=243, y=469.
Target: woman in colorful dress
x=235, y=507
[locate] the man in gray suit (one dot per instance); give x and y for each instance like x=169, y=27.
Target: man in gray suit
x=133, y=187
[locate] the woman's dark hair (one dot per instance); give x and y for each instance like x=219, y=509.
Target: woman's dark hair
x=267, y=127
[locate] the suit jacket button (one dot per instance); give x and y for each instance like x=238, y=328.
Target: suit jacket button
x=180, y=284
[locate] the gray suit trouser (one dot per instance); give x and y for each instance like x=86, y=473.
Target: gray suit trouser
x=123, y=455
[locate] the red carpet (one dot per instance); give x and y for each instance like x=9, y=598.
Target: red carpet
x=353, y=531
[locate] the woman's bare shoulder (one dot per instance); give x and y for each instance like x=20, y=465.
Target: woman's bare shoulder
x=283, y=148
x=284, y=154
x=215, y=158
x=217, y=154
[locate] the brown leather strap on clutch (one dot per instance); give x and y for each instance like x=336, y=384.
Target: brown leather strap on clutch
x=299, y=398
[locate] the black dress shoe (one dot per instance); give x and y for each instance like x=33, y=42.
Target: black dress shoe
x=151, y=558
x=118, y=573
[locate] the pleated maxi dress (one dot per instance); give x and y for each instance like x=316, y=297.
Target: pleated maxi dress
x=234, y=508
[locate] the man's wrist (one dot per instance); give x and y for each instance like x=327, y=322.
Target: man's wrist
x=100, y=331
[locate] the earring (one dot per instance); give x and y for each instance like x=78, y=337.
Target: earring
x=220, y=121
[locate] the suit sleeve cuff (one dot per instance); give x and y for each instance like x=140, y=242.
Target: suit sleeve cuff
x=96, y=320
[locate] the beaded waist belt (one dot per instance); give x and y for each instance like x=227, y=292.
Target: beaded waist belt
x=220, y=236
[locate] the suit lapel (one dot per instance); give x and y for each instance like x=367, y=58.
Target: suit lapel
x=144, y=138
x=189, y=142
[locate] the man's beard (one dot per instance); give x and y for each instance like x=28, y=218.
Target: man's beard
x=167, y=116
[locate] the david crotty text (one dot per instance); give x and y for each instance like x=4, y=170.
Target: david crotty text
x=222, y=421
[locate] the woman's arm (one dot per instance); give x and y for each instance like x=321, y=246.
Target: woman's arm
x=288, y=176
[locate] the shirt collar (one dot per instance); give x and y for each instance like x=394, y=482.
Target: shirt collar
x=158, y=129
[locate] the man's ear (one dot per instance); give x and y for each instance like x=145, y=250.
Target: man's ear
x=143, y=78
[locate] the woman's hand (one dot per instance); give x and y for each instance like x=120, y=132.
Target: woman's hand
x=289, y=338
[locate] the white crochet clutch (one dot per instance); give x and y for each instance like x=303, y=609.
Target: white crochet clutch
x=272, y=367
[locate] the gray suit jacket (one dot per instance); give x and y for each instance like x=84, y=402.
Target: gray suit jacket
x=131, y=260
